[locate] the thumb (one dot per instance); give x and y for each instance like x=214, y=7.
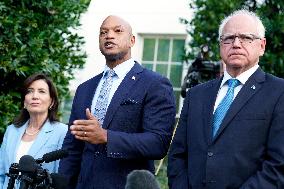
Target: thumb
x=89, y=114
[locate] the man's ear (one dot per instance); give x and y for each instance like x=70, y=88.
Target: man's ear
x=132, y=40
x=262, y=46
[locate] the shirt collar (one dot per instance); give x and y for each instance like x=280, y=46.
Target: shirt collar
x=121, y=69
x=243, y=77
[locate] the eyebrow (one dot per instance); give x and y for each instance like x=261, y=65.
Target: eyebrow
x=226, y=34
x=106, y=28
x=37, y=89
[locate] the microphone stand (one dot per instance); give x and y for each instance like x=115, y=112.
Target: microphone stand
x=25, y=182
x=13, y=174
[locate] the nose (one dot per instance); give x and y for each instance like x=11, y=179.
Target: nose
x=110, y=34
x=236, y=42
x=35, y=95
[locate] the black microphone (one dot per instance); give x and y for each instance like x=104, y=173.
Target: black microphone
x=28, y=168
x=58, y=181
x=52, y=156
x=141, y=179
x=27, y=164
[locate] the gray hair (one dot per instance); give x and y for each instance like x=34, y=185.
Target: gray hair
x=260, y=27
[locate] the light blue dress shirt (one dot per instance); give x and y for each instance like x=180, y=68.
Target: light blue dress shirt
x=243, y=77
x=121, y=70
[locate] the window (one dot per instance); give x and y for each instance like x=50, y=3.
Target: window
x=163, y=54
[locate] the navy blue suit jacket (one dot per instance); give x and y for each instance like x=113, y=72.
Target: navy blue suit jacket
x=139, y=123
x=248, y=149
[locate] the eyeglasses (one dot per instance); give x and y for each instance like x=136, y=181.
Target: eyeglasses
x=243, y=38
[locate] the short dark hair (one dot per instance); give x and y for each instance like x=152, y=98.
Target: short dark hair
x=52, y=111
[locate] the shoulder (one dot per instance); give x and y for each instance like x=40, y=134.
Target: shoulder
x=203, y=90
x=206, y=85
x=12, y=128
x=152, y=77
x=273, y=79
x=90, y=82
x=11, y=132
x=152, y=74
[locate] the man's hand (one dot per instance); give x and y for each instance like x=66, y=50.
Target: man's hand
x=89, y=130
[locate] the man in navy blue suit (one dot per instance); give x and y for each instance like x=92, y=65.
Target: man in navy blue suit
x=231, y=129
x=118, y=123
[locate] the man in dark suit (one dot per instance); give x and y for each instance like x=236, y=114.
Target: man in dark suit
x=134, y=114
x=231, y=130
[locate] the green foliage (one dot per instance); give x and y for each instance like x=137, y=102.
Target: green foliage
x=272, y=13
x=203, y=28
x=162, y=174
x=37, y=36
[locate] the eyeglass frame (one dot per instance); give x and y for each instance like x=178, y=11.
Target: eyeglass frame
x=254, y=37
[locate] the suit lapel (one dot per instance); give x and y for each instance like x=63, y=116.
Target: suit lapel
x=16, y=142
x=208, y=107
x=130, y=79
x=248, y=90
x=41, y=139
x=91, y=90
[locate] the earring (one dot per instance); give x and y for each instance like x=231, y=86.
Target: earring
x=50, y=107
x=25, y=107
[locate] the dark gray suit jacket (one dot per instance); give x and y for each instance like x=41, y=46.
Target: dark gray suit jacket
x=248, y=149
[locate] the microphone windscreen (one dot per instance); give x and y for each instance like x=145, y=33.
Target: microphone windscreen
x=55, y=155
x=141, y=179
x=27, y=164
x=58, y=181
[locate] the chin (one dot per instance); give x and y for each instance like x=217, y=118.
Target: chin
x=236, y=63
x=37, y=111
x=115, y=56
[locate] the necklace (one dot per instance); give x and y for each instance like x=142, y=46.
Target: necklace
x=31, y=134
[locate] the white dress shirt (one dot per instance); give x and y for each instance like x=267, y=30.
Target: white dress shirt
x=23, y=149
x=243, y=77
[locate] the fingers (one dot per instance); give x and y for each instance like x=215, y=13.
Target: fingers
x=88, y=129
x=79, y=128
x=89, y=115
x=82, y=135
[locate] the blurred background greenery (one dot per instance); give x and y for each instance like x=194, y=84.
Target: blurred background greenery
x=40, y=36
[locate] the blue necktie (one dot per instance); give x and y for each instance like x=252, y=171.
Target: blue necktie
x=102, y=101
x=224, y=105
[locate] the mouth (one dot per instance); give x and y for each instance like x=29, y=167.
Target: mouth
x=236, y=54
x=109, y=44
x=34, y=104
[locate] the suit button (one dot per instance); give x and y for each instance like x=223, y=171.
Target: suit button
x=210, y=154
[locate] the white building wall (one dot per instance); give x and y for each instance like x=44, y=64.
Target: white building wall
x=145, y=16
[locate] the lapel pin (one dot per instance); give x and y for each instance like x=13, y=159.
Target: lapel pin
x=133, y=77
x=252, y=87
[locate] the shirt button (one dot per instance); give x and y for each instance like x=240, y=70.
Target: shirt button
x=210, y=154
